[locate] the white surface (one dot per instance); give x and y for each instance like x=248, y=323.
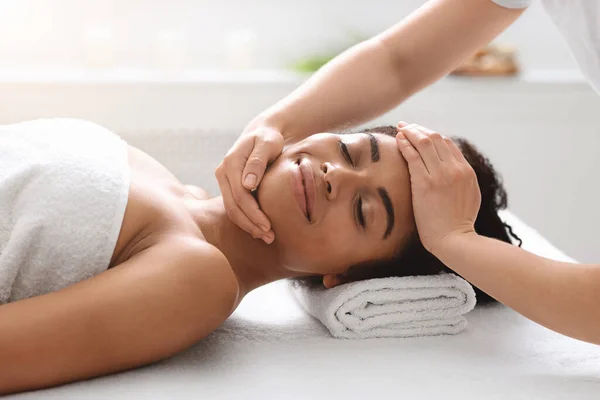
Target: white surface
x=577, y=21
x=56, y=32
x=270, y=349
x=149, y=76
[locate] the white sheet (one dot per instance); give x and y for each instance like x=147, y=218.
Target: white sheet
x=269, y=349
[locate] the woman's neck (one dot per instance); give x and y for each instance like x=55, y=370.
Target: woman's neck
x=254, y=262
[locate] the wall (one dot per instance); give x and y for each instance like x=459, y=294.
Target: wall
x=46, y=33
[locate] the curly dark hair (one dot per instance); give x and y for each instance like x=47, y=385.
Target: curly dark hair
x=412, y=259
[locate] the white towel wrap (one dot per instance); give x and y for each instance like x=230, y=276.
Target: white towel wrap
x=64, y=185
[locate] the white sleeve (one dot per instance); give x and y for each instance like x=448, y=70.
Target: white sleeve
x=513, y=3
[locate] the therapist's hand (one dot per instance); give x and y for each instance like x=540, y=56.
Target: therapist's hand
x=242, y=170
x=445, y=193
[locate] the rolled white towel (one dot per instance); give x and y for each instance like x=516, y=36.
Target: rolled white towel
x=391, y=307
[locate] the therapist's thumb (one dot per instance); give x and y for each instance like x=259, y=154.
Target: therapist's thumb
x=267, y=147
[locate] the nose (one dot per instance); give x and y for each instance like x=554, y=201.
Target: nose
x=340, y=179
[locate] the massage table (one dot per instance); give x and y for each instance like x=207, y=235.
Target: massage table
x=271, y=349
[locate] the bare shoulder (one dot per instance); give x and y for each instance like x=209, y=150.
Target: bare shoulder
x=198, y=192
x=206, y=268
x=158, y=302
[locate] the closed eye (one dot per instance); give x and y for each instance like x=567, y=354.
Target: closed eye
x=360, y=217
x=346, y=153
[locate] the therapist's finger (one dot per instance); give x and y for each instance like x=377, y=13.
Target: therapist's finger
x=267, y=146
x=416, y=166
x=438, y=139
x=236, y=214
x=235, y=196
x=441, y=146
x=458, y=155
x=424, y=145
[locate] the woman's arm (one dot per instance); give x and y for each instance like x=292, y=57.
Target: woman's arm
x=562, y=296
x=378, y=74
x=155, y=304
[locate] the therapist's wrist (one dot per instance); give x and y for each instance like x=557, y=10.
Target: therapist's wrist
x=259, y=121
x=452, y=244
x=289, y=120
x=269, y=121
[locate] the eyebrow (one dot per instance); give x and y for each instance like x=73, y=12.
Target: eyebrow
x=387, y=204
x=385, y=197
x=374, y=147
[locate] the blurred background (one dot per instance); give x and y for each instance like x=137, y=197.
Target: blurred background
x=221, y=34
x=181, y=79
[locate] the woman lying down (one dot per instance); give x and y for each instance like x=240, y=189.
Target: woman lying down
x=108, y=262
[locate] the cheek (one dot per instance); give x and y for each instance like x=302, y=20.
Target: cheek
x=329, y=247
x=275, y=198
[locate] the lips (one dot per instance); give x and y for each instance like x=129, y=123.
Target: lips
x=303, y=187
x=310, y=188
x=297, y=183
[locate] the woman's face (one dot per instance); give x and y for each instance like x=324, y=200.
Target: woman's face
x=335, y=201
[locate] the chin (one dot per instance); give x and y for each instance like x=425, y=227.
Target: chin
x=276, y=200
x=275, y=197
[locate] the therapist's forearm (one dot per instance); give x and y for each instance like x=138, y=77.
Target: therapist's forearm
x=561, y=296
x=356, y=86
x=374, y=76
